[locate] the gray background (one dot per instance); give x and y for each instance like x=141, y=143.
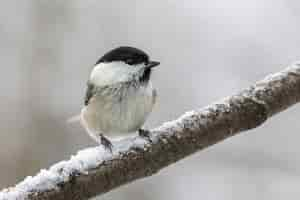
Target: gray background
x=208, y=49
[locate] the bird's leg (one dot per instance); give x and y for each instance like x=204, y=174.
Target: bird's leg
x=106, y=143
x=144, y=133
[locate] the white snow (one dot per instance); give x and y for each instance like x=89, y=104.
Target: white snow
x=82, y=163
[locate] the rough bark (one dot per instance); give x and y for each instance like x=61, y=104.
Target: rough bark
x=138, y=158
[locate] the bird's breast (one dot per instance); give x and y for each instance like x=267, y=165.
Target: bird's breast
x=120, y=109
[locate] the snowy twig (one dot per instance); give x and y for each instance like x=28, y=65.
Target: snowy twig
x=94, y=171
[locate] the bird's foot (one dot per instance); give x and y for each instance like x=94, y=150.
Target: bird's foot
x=106, y=143
x=144, y=133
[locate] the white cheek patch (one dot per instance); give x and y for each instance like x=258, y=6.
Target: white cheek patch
x=114, y=72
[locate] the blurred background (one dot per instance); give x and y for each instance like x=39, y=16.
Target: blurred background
x=208, y=49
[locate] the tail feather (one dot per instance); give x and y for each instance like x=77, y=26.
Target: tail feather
x=73, y=119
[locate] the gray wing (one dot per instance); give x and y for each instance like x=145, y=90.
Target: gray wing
x=111, y=92
x=90, y=92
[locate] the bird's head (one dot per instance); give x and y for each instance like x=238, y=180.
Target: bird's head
x=122, y=64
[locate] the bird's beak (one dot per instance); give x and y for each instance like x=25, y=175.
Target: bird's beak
x=152, y=64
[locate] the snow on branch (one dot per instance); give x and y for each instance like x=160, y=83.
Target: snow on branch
x=94, y=171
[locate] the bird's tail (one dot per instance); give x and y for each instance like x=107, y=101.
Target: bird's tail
x=73, y=119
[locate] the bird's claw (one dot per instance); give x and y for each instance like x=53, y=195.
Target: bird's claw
x=144, y=133
x=106, y=143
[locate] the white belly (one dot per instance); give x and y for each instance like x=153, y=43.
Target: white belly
x=123, y=111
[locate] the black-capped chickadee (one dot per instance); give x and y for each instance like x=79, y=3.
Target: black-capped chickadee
x=119, y=95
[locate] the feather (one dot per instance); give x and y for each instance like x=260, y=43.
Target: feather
x=73, y=119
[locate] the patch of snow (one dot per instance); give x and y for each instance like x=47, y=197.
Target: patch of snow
x=81, y=163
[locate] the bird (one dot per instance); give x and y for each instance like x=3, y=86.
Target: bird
x=119, y=95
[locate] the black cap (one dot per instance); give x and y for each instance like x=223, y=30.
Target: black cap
x=129, y=55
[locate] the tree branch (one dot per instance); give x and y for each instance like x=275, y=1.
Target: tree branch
x=94, y=171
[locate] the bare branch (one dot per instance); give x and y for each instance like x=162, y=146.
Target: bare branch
x=94, y=171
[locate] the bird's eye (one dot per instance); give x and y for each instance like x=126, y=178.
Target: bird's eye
x=129, y=61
